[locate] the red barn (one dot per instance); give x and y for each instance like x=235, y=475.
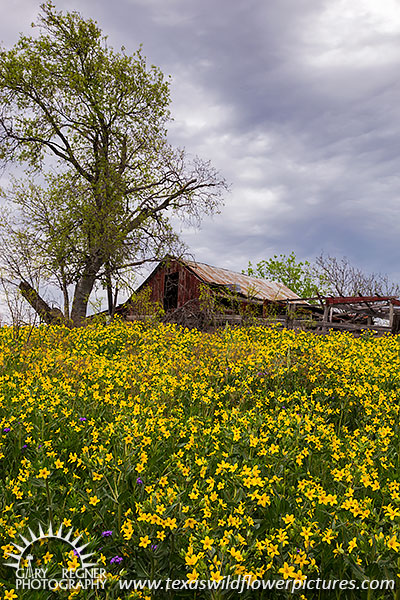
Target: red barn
x=175, y=282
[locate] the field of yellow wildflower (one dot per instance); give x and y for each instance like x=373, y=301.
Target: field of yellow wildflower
x=180, y=454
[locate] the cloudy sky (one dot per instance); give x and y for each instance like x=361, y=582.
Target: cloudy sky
x=296, y=102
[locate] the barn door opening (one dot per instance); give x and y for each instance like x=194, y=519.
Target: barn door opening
x=171, y=291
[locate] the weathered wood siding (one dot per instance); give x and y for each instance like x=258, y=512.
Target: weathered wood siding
x=188, y=284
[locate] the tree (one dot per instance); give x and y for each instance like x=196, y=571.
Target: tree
x=327, y=276
x=298, y=276
x=103, y=115
x=344, y=279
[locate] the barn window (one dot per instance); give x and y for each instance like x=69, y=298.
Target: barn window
x=171, y=291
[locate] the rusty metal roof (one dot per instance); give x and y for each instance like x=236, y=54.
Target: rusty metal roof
x=261, y=289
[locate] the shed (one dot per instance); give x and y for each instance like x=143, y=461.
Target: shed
x=175, y=282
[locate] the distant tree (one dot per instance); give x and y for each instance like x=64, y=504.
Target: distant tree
x=327, y=276
x=103, y=116
x=298, y=276
x=344, y=279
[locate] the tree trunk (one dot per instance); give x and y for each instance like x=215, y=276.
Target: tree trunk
x=110, y=298
x=46, y=313
x=83, y=290
x=64, y=287
x=66, y=302
x=115, y=302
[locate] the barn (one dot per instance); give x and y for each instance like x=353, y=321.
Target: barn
x=176, y=283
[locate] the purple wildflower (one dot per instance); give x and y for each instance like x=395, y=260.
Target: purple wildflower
x=153, y=547
x=139, y=481
x=116, y=560
x=7, y=429
x=106, y=534
x=82, y=418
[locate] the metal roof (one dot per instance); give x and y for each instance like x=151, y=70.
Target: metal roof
x=243, y=284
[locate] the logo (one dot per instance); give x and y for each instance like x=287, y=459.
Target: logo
x=37, y=571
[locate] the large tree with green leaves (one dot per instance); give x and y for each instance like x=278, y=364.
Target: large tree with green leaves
x=299, y=276
x=106, y=203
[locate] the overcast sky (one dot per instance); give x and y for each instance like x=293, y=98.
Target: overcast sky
x=296, y=102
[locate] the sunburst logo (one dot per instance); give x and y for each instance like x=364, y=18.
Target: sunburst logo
x=82, y=571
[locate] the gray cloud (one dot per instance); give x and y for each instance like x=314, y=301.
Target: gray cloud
x=296, y=102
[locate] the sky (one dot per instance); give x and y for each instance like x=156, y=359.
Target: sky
x=295, y=102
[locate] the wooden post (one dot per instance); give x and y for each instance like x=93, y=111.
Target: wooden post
x=325, y=318
x=290, y=311
x=391, y=315
x=396, y=323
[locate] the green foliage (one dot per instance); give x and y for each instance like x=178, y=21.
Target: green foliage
x=208, y=300
x=209, y=305
x=249, y=313
x=298, y=276
x=103, y=115
x=66, y=86
x=143, y=306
